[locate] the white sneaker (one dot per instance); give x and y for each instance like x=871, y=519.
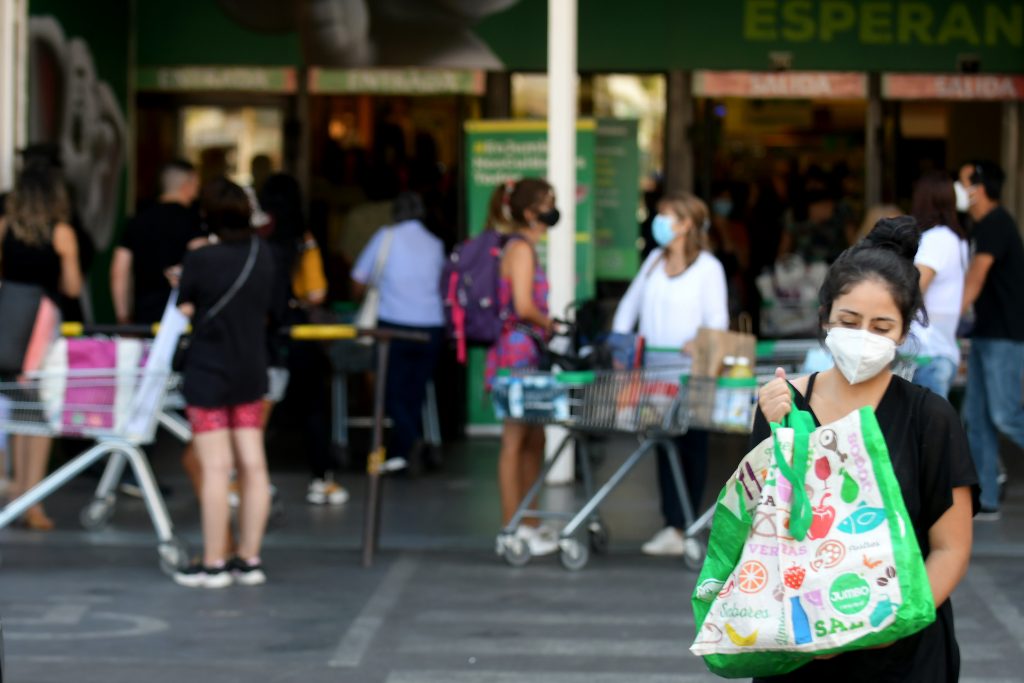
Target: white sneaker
x=540, y=541
x=667, y=542
x=326, y=492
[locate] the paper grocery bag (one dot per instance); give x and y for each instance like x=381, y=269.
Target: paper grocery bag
x=712, y=346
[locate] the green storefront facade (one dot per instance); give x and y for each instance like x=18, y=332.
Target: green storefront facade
x=208, y=51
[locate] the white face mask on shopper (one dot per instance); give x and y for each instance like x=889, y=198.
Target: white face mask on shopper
x=963, y=197
x=859, y=354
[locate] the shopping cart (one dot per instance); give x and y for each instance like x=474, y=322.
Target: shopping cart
x=654, y=404
x=120, y=410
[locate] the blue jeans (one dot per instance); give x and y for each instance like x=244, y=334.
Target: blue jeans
x=937, y=375
x=992, y=405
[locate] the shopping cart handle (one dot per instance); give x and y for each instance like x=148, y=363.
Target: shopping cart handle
x=78, y=329
x=297, y=332
x=321, y=332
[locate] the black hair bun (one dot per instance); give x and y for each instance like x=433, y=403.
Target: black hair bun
x=898, y=234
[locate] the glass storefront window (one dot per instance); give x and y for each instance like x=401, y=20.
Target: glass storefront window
x=226, y=140
x=623, y=96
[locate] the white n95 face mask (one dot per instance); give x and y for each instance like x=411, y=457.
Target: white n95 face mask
x=859, y=354
x=963, y=197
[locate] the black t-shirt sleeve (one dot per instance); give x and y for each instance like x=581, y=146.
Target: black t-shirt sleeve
x=761, y=431
x=129, y=236
x=190, y=276
x=990, y=238
x=945, y=458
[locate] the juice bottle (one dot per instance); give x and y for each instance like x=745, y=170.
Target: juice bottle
x=741, y=394
x=723, y=394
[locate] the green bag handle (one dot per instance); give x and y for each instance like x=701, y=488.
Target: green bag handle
x=802, y=423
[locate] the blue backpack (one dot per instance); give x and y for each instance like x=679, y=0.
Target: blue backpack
x=469, y=288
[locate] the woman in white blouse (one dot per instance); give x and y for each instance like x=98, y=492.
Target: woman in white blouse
x=679, y=289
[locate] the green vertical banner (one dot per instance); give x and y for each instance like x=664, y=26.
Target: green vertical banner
x=502, y=150
x=616, y=189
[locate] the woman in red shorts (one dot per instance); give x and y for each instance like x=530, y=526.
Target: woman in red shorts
x=226, y=290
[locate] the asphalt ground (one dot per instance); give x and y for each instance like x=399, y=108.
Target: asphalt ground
x=437, y=606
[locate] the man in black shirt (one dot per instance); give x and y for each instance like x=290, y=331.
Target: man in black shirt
x=153, y=246
x=995, y=370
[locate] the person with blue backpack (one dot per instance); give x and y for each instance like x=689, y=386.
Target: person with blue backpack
x=523, y=211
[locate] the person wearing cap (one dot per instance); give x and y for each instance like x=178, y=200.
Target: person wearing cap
x=410, y=300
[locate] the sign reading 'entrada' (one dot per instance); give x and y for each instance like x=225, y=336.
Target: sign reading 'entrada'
x=885, y=22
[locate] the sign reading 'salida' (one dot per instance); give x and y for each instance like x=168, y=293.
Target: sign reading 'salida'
x=846, y=85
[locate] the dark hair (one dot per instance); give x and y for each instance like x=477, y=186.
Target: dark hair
x=408, y=206
x=281, y=197
x=227, y=210
x=38, y=202
x=509, y=200
x=989, y=176
x=885, y=255
x=934, y=203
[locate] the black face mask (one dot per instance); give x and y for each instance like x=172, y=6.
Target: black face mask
x=549, y=217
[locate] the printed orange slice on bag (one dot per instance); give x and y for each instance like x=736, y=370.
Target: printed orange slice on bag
x=752, y=577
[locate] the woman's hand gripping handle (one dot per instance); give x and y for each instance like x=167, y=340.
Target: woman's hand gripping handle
x=774, y=399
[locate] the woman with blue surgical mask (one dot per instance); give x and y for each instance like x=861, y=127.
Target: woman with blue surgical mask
x=679, y=289
x=870, y=297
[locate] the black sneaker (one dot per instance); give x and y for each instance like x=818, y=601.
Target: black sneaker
x=196, y=575
x=247, y=574
x=988, y=515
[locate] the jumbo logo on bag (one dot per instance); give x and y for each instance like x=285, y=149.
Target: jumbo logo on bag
x=849, y=594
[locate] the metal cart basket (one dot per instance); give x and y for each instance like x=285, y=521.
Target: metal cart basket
x=654, y=404
x=120, y=410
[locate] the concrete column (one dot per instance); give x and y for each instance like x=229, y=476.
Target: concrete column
x=873, y=143
x=13, y=85
x=561, y=254
x=679, y=114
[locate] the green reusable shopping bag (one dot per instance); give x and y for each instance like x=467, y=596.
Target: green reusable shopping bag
x=812, y=552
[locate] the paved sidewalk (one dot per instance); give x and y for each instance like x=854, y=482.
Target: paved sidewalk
x=438, y=607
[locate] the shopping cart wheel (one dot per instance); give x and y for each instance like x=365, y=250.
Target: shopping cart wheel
x=173, y=555
x=598, y=537
x=693, y=554
x=574, y=555
x=97, y=513
x=515, y=550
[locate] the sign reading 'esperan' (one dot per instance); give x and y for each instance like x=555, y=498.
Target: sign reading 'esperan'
x=885, y=22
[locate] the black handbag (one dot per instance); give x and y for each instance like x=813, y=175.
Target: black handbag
x=19, y=306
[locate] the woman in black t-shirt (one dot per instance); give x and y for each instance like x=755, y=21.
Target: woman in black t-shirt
x=226, y=290
x=868, y=301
